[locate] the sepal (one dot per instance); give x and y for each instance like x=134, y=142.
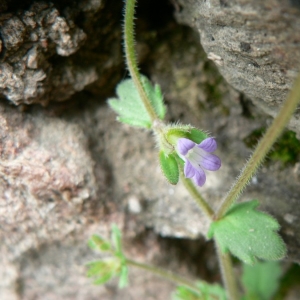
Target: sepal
x=169, y=167
x=197, y=135
x=174, y=132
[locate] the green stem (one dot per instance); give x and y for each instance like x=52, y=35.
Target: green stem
x=165, y=274
x=131, y=58
x=262, y=148
x=228, y=274
x=204, y=206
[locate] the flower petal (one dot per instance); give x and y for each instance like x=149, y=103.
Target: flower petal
x=199, y=177
x=189, y=170
x=184, y=145
x=209, y=145
x=211, y=162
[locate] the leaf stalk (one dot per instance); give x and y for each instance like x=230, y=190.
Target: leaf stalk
x=228, y=274
x=170, y=276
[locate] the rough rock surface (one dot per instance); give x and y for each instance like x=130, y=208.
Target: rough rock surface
x=255, y=45
x=40, y=58
x=69, y=170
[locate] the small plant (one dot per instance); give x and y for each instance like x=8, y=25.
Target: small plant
x=113, y=266
x=186, y=153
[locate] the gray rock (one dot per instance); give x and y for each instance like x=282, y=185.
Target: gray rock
x=70, y=170
x=254, y=44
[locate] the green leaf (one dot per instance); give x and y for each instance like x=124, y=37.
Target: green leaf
x=183, y=293
x=169, y=167
x=248, y=234
x=206, y=292
x=103, y=279
x=261, y=280
x=123, y=280
x=155, y=97
x=103, y=270
x=97, y=243
x=212, y=291
x=135, y=122
x=116, y=238
x=101, y=267
x=129, y=105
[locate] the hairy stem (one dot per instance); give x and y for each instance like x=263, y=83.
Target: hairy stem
x=204, y=206
x=228, y=274
x=165, y=274
x=262, y=149
x=131, y=58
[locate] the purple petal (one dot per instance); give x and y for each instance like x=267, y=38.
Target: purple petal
x=184, y=145
x=211, y=162
x=189, y=170
x=199, y=177
x=209, y=145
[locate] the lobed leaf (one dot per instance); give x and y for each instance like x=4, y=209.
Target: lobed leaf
x=103, y=270
x=248, y=234
x=129, y=106
x=97, y=243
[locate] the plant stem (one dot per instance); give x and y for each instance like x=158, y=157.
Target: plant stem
x=228, y=274
x=165, y=274
x=204, y=206
x=131, y=58
x=262, y=148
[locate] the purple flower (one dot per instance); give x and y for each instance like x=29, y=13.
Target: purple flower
x=198, y=157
